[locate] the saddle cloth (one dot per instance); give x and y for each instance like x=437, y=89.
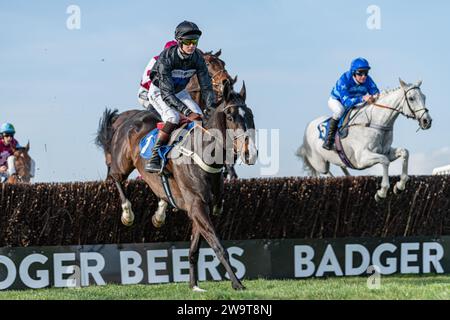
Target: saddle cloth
x=324, y=126
x=148, y=141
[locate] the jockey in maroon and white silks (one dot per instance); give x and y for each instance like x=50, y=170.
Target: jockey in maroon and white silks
x=145, y=81
x=7, y=146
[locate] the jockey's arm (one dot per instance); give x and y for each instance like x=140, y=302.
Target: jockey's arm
x=349, y=101
x=345, y=97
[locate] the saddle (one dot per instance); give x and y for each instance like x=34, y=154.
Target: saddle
x=343, y=127
x=341, y=133
x=148, y=141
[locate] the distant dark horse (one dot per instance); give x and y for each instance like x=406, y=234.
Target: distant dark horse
x=194, y=190
x=219, y=75
x=23, y=164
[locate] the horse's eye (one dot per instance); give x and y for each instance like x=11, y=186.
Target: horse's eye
x=411, y=99
x=230, y=118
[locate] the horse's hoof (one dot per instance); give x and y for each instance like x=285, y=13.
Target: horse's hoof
x=238, y=286
x=127, y=223
x=127, y=214
x=156, y=223
x=198, y=289
x=378, y=199
x=397, y=190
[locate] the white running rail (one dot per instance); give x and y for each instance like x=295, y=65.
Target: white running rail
x=442, y=170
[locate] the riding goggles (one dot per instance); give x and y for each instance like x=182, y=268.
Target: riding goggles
x=362, y=72
x=188, y=42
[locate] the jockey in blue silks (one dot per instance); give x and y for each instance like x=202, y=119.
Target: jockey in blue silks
x=354, y=88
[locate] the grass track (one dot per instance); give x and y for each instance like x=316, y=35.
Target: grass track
x=392, y=287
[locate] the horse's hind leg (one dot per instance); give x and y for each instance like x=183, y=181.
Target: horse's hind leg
x=160, y=215
x=127, y=217
x=394, y=154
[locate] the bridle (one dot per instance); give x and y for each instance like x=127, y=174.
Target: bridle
x=216, y=85
x=405, y=92
x=236, y=138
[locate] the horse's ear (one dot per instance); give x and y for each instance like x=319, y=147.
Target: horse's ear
x=234, y=80
x=403, y=84
x=419, y=83
x=27, y=147
x=227, y=90
x=218, y=53
x=243, y=92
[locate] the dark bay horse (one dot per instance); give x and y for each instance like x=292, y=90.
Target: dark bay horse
x=194, y=190
x=23, y=164
x=219, y=75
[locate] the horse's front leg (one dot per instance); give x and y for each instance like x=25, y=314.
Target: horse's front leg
x=394, y=154
x=368, y=159
x=193, y=258
x=217, y=190
x=199, y=213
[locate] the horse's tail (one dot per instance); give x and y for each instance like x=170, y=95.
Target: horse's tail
x=105, y=130
x=302, y=153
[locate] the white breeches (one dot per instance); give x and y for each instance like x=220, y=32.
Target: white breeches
x=336, y=107
x=166, y=112
x=11, y=166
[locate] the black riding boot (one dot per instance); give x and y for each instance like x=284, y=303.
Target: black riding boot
x=154, y=163
x=329, y=141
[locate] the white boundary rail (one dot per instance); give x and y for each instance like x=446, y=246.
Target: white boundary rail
x=442, y=170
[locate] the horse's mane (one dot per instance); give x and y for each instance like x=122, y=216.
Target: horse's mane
x=387, y=91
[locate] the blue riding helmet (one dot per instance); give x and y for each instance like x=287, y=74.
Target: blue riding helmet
x=7, y=128
x=359, y=63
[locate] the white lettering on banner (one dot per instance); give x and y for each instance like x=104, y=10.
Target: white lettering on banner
x=350, y=269
x=210, y=265
x=408, y=257
x=428, y=259
x=42, y=280
x=391, y=266
x=154, y=266
x=239, y=266
x=130, y=262
x=302, y=257
x=11, y=272
x=39, y=270
x=94, y=270
x=179, y=265
x=329, y=263
x=432, y=254
x=60, y=270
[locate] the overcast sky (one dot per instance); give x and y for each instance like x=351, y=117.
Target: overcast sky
x=55, y=81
